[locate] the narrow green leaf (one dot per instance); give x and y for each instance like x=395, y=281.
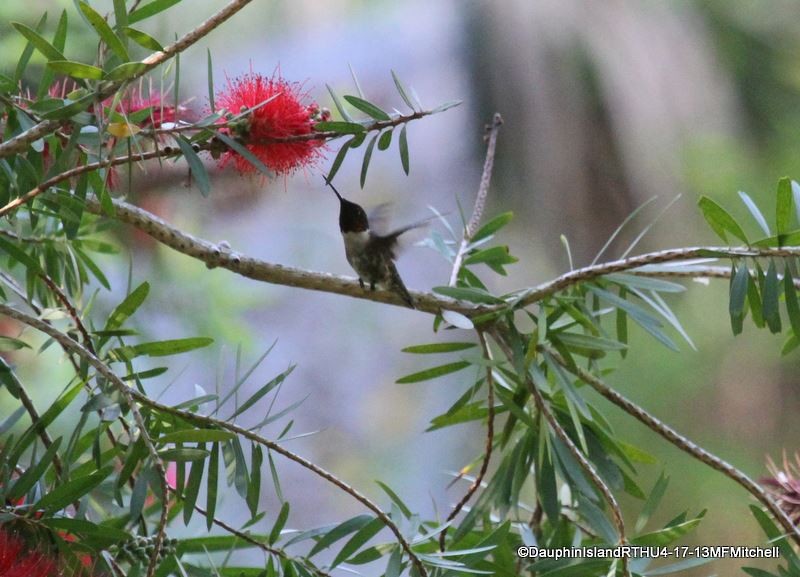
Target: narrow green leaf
x=433, y=372
x=254, y=488
x=402, y=91
x=120, y=14
x=641, y=317
x=148, y=374
x=144, y=40
x=720, y=220
x=195, y=165
x=27, y=52
x=438, y=348
x=582, y=341
x=25, y=481
x=48, y=76
x=385, y=140
x=72, y=491
x=775, y=535
x=280, y=522
x=363, y=535
x=496, y=255
x=172, y=347
x=243, y=151
x=755, y=212
x=667, y=535
x=783, y=209
x=126, y=71
x=193, y=487
x=754, y=297
x=491, y=227
x=367, y=107
x=739, y=280
x=395, y=564
x=150, y=9
x=139, y=494
x=259, y=394
x=470, y=412
x=342, y=127
x=183, y=454
x=338, y=103
x=210, y=80
x=446, y=106
x=395, y=499
x=104, y=31
x=792, y=305
x=276, y=482
x=71, y=109
x=367, y=158
x=645, y=283
x=12, y=344
x=39, y=42
x=196, y=436
x=128, y=306
x=770, y=307
x=402, y=144
x=211, y=485
x=653, y=500
x=20, y=255
x=342, y=530
x=597, y=520
x=337, y=162
x=7, y=423
x=470, y=294
x=76, y=69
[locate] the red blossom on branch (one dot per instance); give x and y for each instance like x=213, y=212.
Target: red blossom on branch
x=276, y=108
x=784, y=485
x=16, y=560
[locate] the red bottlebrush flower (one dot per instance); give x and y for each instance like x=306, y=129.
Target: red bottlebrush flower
x=785, y=485
x=275, y=109
x=160, y=113
x=18, y=561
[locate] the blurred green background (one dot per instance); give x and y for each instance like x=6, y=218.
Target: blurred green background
x=607, y=104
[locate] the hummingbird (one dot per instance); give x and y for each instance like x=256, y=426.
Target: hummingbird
x=370, y=254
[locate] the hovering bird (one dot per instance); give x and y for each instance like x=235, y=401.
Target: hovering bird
x=370, y=254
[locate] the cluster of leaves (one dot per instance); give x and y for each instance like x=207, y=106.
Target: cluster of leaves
x=378, y=121
x=753, y=290
x=526, y=486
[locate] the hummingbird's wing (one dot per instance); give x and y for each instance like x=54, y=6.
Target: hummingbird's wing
x=379, y=217
x=389, y=242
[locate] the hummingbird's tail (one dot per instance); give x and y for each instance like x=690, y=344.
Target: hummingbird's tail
x=396, y=285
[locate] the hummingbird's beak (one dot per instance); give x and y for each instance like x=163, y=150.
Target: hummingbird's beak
x=333, y=188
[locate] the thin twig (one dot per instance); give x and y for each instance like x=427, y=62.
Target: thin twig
x=480, y=200
x=133, y=396
x=20, y=143
x=33, y=414
x=584, y=463
x=71, y=311
x=588, y=273
x=487, y=452
x=681, y=442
